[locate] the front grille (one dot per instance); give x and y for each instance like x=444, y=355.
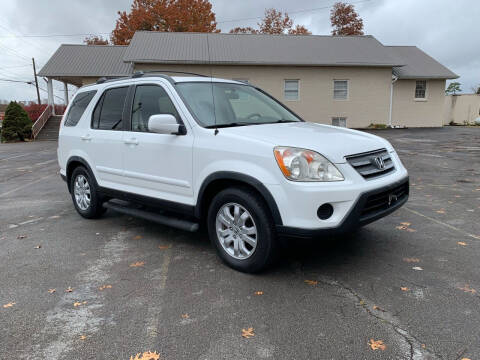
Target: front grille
x=372, y=164
x=384, y=200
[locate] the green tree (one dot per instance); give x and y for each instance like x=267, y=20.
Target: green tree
x=453, y=88
x=16, y=124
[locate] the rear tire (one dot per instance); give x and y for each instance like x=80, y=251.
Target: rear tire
x=85, y=198
x=241, y=228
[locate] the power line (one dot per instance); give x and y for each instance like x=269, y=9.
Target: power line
x=290, y=12
x=55, y=35
x=17, y=81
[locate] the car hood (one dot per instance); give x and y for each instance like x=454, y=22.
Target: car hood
x=332, y=142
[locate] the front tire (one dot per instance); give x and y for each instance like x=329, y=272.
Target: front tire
x=241, y=228
x=84, y=194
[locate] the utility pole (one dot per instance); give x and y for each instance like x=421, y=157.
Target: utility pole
x=36, y=81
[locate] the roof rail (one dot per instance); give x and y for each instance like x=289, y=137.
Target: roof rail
x=139, y=74
x=168, y=71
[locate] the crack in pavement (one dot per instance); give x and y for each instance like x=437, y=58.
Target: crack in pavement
x=416, y=350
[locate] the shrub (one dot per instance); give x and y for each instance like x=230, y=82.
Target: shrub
x=34, y=110
x=377, y=126
x=16, y=124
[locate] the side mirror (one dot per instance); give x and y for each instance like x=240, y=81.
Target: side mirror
x=165, y=124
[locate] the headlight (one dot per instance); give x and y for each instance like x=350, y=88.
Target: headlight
x=305, y=165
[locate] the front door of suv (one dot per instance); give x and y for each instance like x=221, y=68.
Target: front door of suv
x=104, y=140
x=157, y=165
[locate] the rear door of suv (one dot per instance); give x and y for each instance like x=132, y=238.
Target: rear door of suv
x=103, y=140
x=156, y=165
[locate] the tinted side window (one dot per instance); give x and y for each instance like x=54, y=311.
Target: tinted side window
x=79, y=104
x=109, y=110
x=150, y=100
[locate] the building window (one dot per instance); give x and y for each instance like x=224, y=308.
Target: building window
x=291, y=90
x=340, y=89
x=339, y=121
x=420, y=89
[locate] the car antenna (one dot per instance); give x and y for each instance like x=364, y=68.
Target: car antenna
x=211, y=87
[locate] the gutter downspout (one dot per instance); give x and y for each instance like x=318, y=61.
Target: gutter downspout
x=394, y=80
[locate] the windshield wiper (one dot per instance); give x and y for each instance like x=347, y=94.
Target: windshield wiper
x=282, y=121
x=233, y=124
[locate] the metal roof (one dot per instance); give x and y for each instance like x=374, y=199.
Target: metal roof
x=257, y=49
x=87, y=60
x=419, y=65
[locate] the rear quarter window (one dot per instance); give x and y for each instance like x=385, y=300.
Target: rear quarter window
x=79, y=104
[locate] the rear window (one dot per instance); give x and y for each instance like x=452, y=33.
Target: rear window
x=79, y=104
x=108, y=114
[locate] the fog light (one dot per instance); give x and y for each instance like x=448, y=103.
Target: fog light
x=325, y=211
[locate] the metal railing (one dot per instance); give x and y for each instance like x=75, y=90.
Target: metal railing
x=41, y=121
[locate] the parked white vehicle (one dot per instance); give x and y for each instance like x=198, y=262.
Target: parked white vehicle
x=186, y=151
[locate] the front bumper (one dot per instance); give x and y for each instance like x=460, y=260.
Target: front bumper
x=370, y=206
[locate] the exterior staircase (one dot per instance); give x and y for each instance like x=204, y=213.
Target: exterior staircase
x=50, y=129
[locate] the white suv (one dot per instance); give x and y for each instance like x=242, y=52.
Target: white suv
x=185, y=151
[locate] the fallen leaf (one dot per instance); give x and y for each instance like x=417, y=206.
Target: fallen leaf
x=83, y=337
x=77, y=304
x=411, y=260
x=103, y=287
x=424, y=346
x=38, y=247
x=466, y=359
x=362, y=302
x=185, y=316
x=51, y=291
x=9, y=305
x=138, y=237
x=475, y=237
x=405, y=223
x=311, y=282
x=418, y=268
x=248, y=333
x=137, y=264
x=467, y=288
x=147, y=355
x=440, y=211
x=378, y=308
x=377, y=345
x=258, y=293
x=404, y=288
x=69, y=289
x=462, y=243
x=164, y=247
x=21, y=236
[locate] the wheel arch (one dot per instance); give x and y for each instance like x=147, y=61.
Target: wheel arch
x=220, y=180
x=72, y=163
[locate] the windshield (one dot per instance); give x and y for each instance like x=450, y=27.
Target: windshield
x=235, y=105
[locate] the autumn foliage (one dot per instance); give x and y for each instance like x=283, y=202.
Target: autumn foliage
x=164, y=15
x=274, y=22
x=345, y=20
x=95, y=40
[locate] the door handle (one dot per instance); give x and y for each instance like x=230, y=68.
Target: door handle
x=131, y=141
x=86, y=137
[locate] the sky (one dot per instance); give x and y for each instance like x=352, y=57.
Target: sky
x=446, y=30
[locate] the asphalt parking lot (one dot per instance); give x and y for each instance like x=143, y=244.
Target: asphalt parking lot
x=405, y=287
